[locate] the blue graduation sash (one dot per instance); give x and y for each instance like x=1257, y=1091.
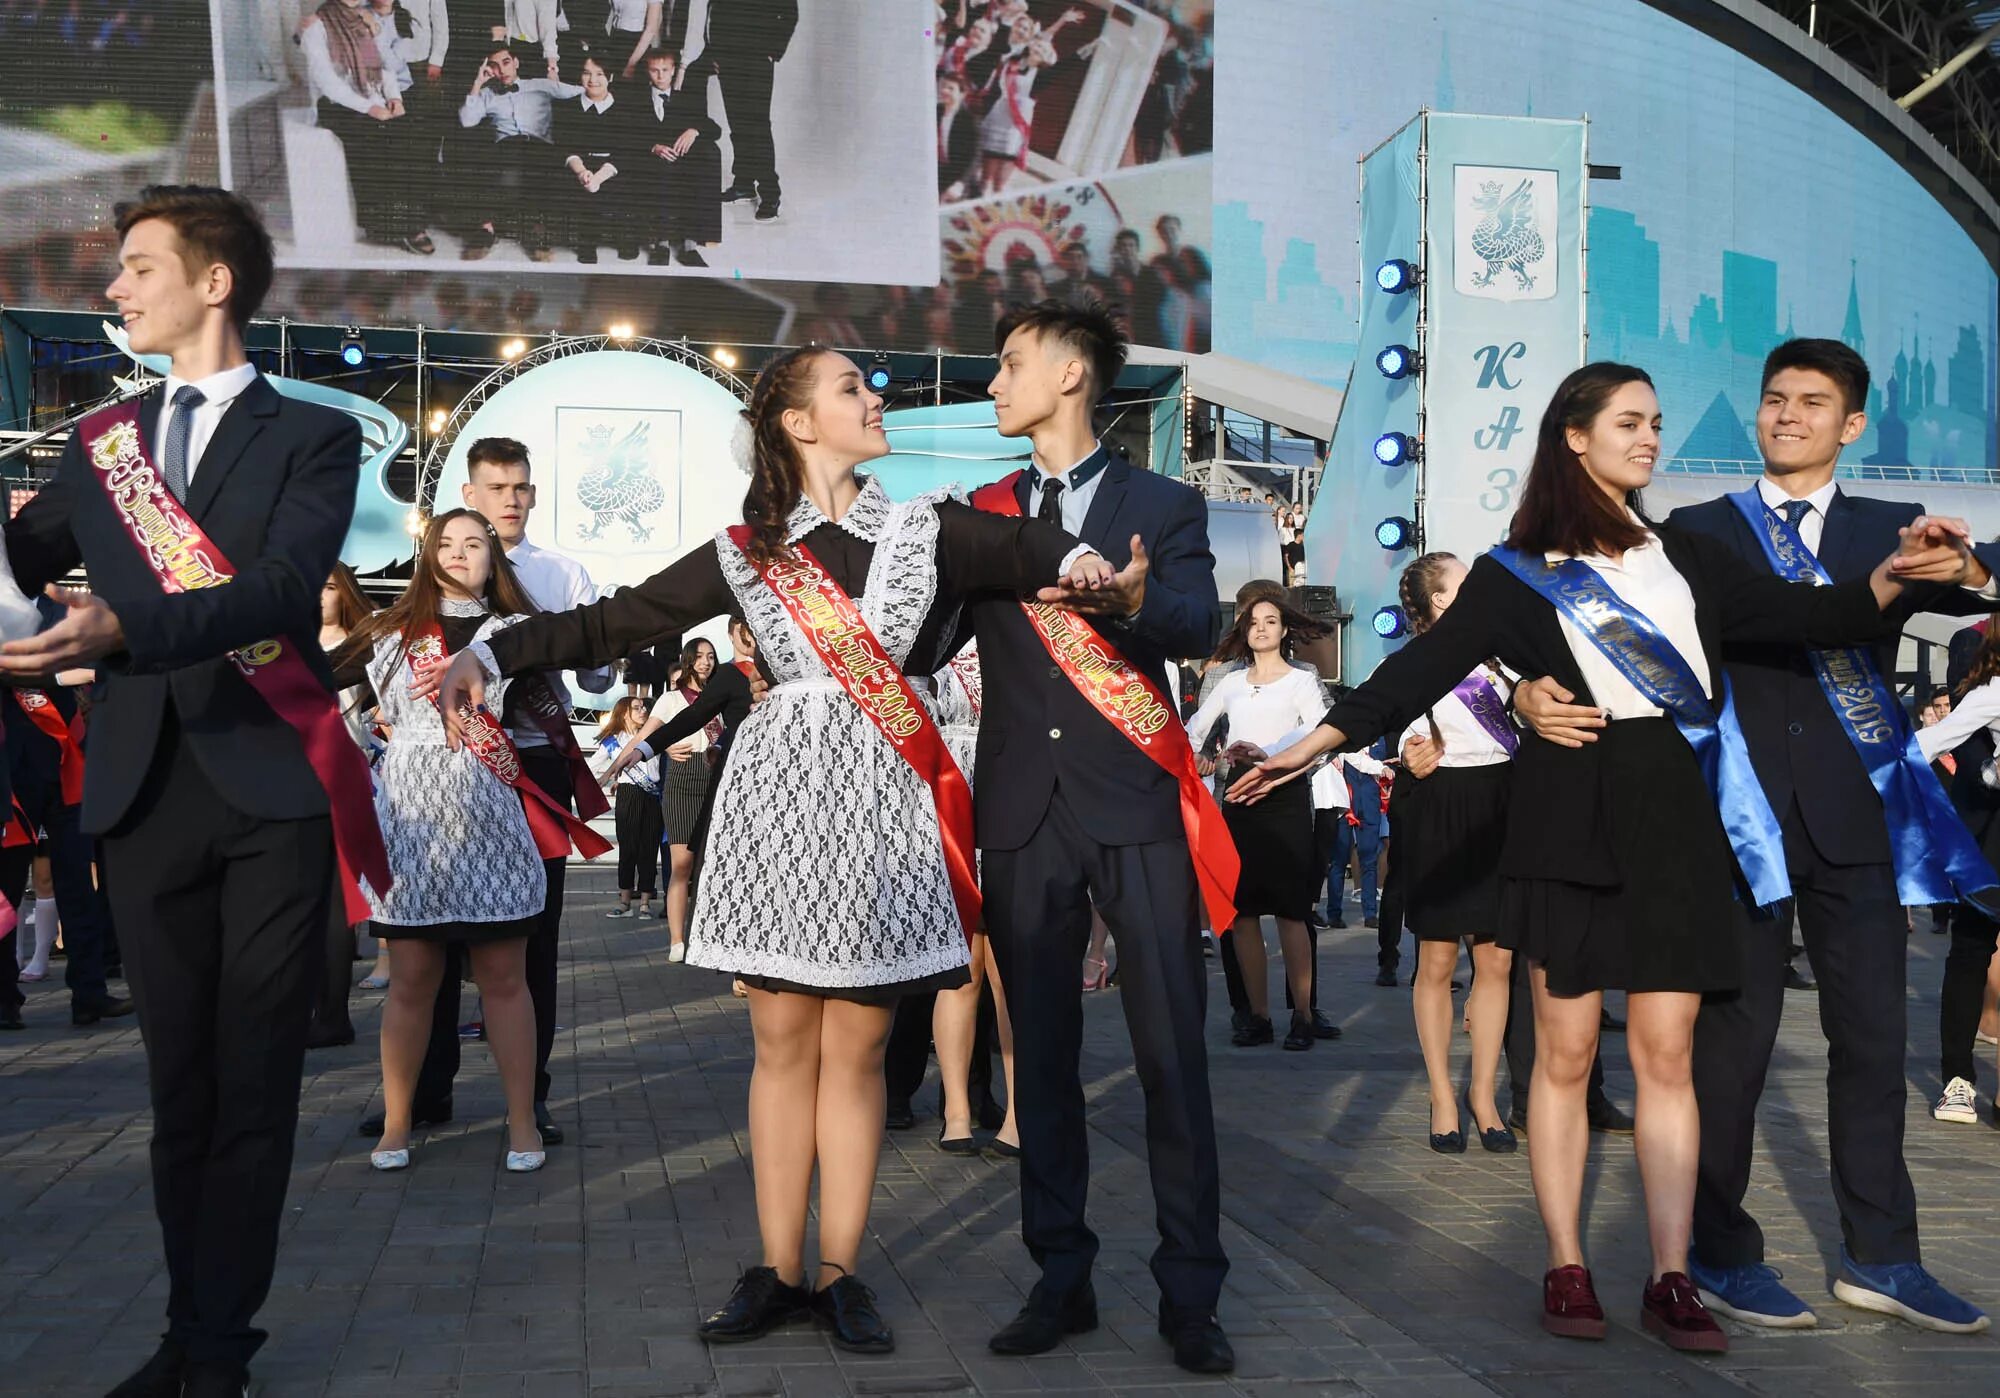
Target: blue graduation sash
x=1935, y=858
x=1649, y=662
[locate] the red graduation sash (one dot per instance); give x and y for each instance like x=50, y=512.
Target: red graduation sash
x=852, y=653
x=542, y=706
x=553, y=827
x=43, y=713
x=184, y=559
x=1134, y=705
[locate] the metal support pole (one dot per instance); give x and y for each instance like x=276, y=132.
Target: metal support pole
x=1973, y=48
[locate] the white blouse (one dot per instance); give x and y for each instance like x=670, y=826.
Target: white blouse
x=1647, y=580
x=335, y=86
x=1273, y=716
x=1980, y=708
x=670, y=704
x=1466, y=741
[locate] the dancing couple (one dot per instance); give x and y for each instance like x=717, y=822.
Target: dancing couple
x=841, y=849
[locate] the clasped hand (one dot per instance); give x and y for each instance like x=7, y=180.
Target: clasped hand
x=89, y=632
x=1094, y=586
x=1937, y=549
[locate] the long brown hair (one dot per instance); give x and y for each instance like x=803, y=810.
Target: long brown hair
x=1298, y=627
x=777, y=471
x=691, y=652
x=1985, y=664
x=1562, y=509
x=353, y=605
x=422, y=601
x=620, y=715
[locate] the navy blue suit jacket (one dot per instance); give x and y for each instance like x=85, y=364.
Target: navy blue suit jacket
x=274, y=491
x=1796, y=743
x=1035, y=728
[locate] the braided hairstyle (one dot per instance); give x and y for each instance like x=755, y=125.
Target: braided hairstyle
x=1414, y=590
x=777, y=472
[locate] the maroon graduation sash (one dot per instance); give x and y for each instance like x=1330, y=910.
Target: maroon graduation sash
x=853, y=654
x=43, y=713
x=184, y=559
x=1134, y=705
x=554, y=828
x=538, y=698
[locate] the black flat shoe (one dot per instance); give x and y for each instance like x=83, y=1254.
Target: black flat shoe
x=760, y=1303
x=110, y=1007
x=10, y=1018
x=1386, y=978
x=1324, y=1028
x=545, y=1124
x=1448, y=1142
x=337, y=1039
x=1608, y=1120
x=846, y=1307
x=1300, y=1036
x=957, y=1145
x=421, y=1118
x=1046, y=1320
x=739, y=191
x=900, y=1117
x=1001, y=1149
x=158, y=1377
x=1200, y=1347
x=1257, y=1029
x=689, y=257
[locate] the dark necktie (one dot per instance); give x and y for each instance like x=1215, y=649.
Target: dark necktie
x=1050, y=511
x=179, y=428
x=1795, y=512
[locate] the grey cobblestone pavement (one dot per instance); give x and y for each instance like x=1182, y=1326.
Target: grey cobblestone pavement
x=1361, y=1262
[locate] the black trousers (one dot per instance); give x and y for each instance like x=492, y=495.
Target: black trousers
x=86, y=915
x=222, y=916
x=382, y=170
x=746, y=82
x=329, y=1016
x=1857, y=939
x=1960, y=999
x=1038, y=902
x=641, y=824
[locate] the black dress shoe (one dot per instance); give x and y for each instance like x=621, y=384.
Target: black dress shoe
x=767, y=210
x=1365, y=922
x=1200, y=1347
x=337, y=1038
x=1448, y=1142
x=1335, y=924
x=587, y=256
x=158, y=1377
x=1239, y=1020
x=84, y=1014
x=739, y=191
x=1386, y=978
x=846, y=1307
x=957, y=1145
x=900, y=1117
x=1498, y=1141
x=421, y=1118
x=546, y=1125
x=215, y=1381
x=659, y=257
x=1002, y=1150
x=1300, y=1036
x=691, y=257
x=10, y=1017
x=1608, y=1119
x=1795, y=979
x=1324, y=1028
x=760, y=1303
x=1045, y=1320
x=1517, y=1118
x=1257, y=1029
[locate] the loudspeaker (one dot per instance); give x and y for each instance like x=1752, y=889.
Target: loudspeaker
x=1321, y=604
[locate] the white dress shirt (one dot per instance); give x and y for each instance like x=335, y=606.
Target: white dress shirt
x=1980, y=708
x=554, y=582
x=599, y=107
x=219, y=390
x=1812, y=527
x=1075, y=499
x=1649, y=583
x=1466, y=741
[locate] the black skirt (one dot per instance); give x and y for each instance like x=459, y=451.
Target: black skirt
x=683, y=787
x=1448, y=831
x=1673, y=920
x=471, y=933
x=881, y=996
x=1274, y=839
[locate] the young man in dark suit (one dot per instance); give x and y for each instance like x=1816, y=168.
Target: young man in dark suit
x=1072, y=813
x=680, y=164
x=217, y=845
x=745, y=41
x=1844, y=885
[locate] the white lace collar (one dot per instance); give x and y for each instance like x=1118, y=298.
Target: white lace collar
x=865, y=518
x=459, y=606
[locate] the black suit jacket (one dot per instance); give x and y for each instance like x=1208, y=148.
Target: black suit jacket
x=1120, y=793
x=1796, y=742
x=749, y=29
x=686, y=109
x=274, y=491
x=1555, y=829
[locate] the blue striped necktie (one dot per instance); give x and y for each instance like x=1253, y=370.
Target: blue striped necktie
x=179, y=428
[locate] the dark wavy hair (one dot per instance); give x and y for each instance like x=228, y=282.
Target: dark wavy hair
x=1298, y=627
x=422, y=601
x=1562, y=510
x=777, y=471
x=690, y=653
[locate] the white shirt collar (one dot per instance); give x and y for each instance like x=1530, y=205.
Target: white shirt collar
x=864, y=519
x=217, y=390
x=1774, y=495
x=1598, y=559
x=521, y=551
x=600, y=107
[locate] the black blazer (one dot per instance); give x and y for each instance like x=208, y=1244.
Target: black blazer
x=738, y=29
x=685, y=109
x=1555, y=829
x=274, y=491
x=1796, y=743
x=1121, y=794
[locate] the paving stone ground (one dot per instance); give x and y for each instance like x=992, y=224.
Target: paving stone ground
x=1361, y=1262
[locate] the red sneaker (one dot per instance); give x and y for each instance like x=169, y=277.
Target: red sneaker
x=1569, y=1305
x=1672, y=1309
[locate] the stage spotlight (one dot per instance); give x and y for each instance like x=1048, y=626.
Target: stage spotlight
x=1396, y=448
x=352, y=349
x=1395, y=532
x=1390, y=623
x=1397, y=276
x=1398, y=362
x=513, y=349
x=620, y=330
x=437, y=421
x=878, y=374
x=413, y=524
x=725, y=356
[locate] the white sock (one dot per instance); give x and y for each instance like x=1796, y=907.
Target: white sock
x=45, y=934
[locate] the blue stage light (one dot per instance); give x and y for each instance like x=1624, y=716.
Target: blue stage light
x=878, y=374
x=1395, y=532
x=353, y=350
x=1397, y=362
x=1397, y=276
x=1390, y=623
x=1395, y=448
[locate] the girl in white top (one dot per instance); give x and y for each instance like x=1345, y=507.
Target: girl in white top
x=636, y=806
x=685, y=774
x=1448, y=825
x=1268, y=703
x=357, y=77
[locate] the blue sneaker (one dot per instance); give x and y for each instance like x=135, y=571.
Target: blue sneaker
x=1905, y=1290
x=1752, y=1294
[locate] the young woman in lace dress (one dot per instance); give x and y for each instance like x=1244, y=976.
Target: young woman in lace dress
x=825, y=886
x=465, y=865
